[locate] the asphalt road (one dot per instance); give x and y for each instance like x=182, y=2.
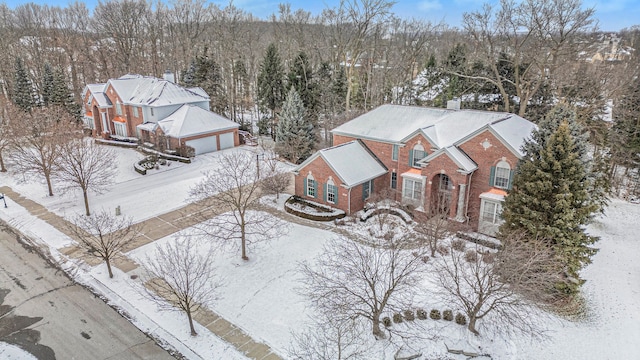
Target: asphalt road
x=45, y=313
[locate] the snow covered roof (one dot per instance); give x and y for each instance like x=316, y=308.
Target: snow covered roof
x=460, y=158
x=352, y=162
x=97, y=90
x=442, y=127
x=152, y=91
x=148, y=126
x=191, y=120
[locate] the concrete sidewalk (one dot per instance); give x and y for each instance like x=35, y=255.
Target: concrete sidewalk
x=154, y=229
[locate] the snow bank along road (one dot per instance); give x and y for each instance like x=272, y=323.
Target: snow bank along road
x=74, y=325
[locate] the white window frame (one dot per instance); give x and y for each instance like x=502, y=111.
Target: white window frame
x=394, y=174
x=422, y=152
x=412, y=189
x=331, y=191
x=502, y=175
x=311, y=187
x=120, y=128
x=135, y=111
x=491, y=212
x=88, y=122
x=118, y=108
x=394, y=152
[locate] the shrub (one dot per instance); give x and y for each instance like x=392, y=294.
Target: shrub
x=443, y=250
x=386, y=321
x=447, y=315
x=422, y=315
x=409, y=315
x=435, y=314
x=397, y=318
x=458, y=244
x=461, y=319
x=471, y=256
x=488, y=258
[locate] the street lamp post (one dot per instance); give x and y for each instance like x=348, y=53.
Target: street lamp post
x=4, y=200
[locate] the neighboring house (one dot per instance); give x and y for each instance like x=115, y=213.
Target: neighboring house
x=457, y=161
x=156, y=111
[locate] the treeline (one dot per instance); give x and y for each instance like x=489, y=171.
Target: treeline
x=519, y=58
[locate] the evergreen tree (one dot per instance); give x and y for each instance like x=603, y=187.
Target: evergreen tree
x=340, y=88
x=550, y=202
x=206, y=73
x=23, y=94
x=47, y=84
x=301, y=78
x=597, y=183
x=294, y=134
x=271, y=83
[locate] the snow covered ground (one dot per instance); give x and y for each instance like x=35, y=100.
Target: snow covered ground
x=12, y=352
x=260, y=297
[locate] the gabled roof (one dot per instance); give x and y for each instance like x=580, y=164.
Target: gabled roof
x=96, y=91
x=352, y=162
x=442, y=127
x=191, y=120
x=460, y=158
x=152, y=91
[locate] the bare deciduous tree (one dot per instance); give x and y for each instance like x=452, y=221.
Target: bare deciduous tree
x=274, y=179
x=234, y=187
x=86, y=165
x=502, y=288
x=39, y=137
x=351, y=281
x=330, y=340
x=5, y=135
x=182, y=275
x=104, y=235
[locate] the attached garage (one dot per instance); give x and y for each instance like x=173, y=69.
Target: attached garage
x=204, y=145
x=200, y=129
x=227, y=140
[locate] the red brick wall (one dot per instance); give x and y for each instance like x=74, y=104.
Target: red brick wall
x=485, y=158
x=321, y=172
x=443, y=165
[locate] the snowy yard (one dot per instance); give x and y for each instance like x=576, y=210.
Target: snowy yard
x=260, y=295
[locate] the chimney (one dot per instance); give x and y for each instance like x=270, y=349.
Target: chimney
x=453, y=104
x=168, y=75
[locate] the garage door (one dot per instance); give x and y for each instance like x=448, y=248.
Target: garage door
x=203, y=145
x=226, y=140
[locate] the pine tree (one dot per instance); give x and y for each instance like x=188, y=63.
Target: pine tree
x=295, y=136
x=301, y=78
x=550, y=202
x=47, y=84
x=594, y=164
x=271, y=83
x=206, y=73
x=23, y=94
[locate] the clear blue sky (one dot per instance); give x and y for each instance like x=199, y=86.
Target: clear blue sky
x=612, y=14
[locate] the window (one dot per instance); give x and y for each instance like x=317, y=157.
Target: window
x=417, y=154
x=332, y=192
x=135, y=111
x=88, y=122
x=491, y=212
x=367, y=188
x=118, y=108
x=394, y=152
x=311, y=186
x=412, y=189
x=151, y=111
x=502, y=175
x=121, y=129
x=445, y=183
x=394, y=180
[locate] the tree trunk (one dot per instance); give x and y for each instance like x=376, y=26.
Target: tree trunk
x=2, y=168
x=86, y=202
x=472, y=325
x=243, y=237
x=377, y=332
x=108, y=261
x=193, y=329
x=48, y=178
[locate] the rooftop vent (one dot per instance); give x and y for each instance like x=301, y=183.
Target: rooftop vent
x=168, y=75
x=453, y=104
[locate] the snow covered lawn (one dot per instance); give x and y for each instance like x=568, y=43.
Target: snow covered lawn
x=139, y=196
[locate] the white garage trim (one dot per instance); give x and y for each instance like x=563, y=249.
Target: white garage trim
x=226, y=140
x=203, y=145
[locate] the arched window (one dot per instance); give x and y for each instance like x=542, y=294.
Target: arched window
x=502, y=176
x=332, y=191
x=310, y=184
x=417, y=154
x=118, y=108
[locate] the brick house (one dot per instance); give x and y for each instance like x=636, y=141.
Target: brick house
x=460, y=162
x=146, y=108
